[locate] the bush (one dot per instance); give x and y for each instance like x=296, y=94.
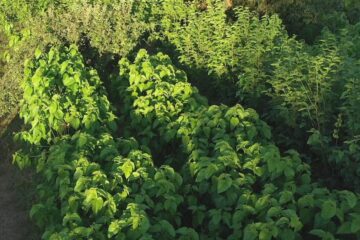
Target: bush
x=230, y=160
x=83, y=169
x=60, y=92
x=17, y=44
x=307, y=18
x=295, y=87
x=244, y=48
x=115, y=28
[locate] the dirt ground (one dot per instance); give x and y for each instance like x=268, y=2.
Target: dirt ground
x=16, y=192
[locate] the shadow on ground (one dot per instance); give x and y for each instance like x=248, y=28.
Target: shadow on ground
x=16, y=192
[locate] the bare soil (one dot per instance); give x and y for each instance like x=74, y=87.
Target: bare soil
x=16, y=193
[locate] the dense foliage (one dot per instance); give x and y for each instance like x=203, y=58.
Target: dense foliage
x=226, y=127
x=295, y=87
x=227, y=177
x=306, y=18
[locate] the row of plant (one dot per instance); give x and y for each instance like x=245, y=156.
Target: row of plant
x=307, y=90
x=216, y=174
x=91, y=185
x=218, y=50
x=117, y=27
x=194, y=171
x=234, y=170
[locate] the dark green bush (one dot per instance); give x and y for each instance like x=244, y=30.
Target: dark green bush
x=307, y=18
x=228, y=51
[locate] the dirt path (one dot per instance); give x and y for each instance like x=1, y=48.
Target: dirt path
x=15, y=195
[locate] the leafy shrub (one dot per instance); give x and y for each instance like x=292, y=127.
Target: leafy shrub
x=230, y=162
x=60, y=92
x=104, y=193
x=295, y=87
x=348, y=43
x=303, y=87
x=18, y=42
x=243, y=49
x=321, y=99
x=114, y=27
x=172, y=97
x=103, y=187
x=307, y=18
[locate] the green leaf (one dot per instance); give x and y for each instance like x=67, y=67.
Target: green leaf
x=234, y=122
x=289, y=172
x=350, y=198
x=97, y=204
x=71, y=218
x=38, y=53
x=250, y=232
x=287, y=234
x=73, y=52
x=28, y=91
x=318, y=232
x=168, y=228
x=273, y=212
x=68, y=81
x=265, y=234
x=215, y=217
x=51, y=54
x=210, y=170
x=306, y=201
x=328, y=209
x=322, y=234
x=355, y=223
x=59, y=114
x=345, y=228
x=75, y=122
x=114, y=228
x=90, y=196
x=286, y=196
x=36, y=80
x=64, y=66
x=53, y=108
x=207, y=131
x=35, y=209
x=224, y=183
x=188, y=233
x=296, y=223
x=127, y=168
x=314, y=139
x=83, y=231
